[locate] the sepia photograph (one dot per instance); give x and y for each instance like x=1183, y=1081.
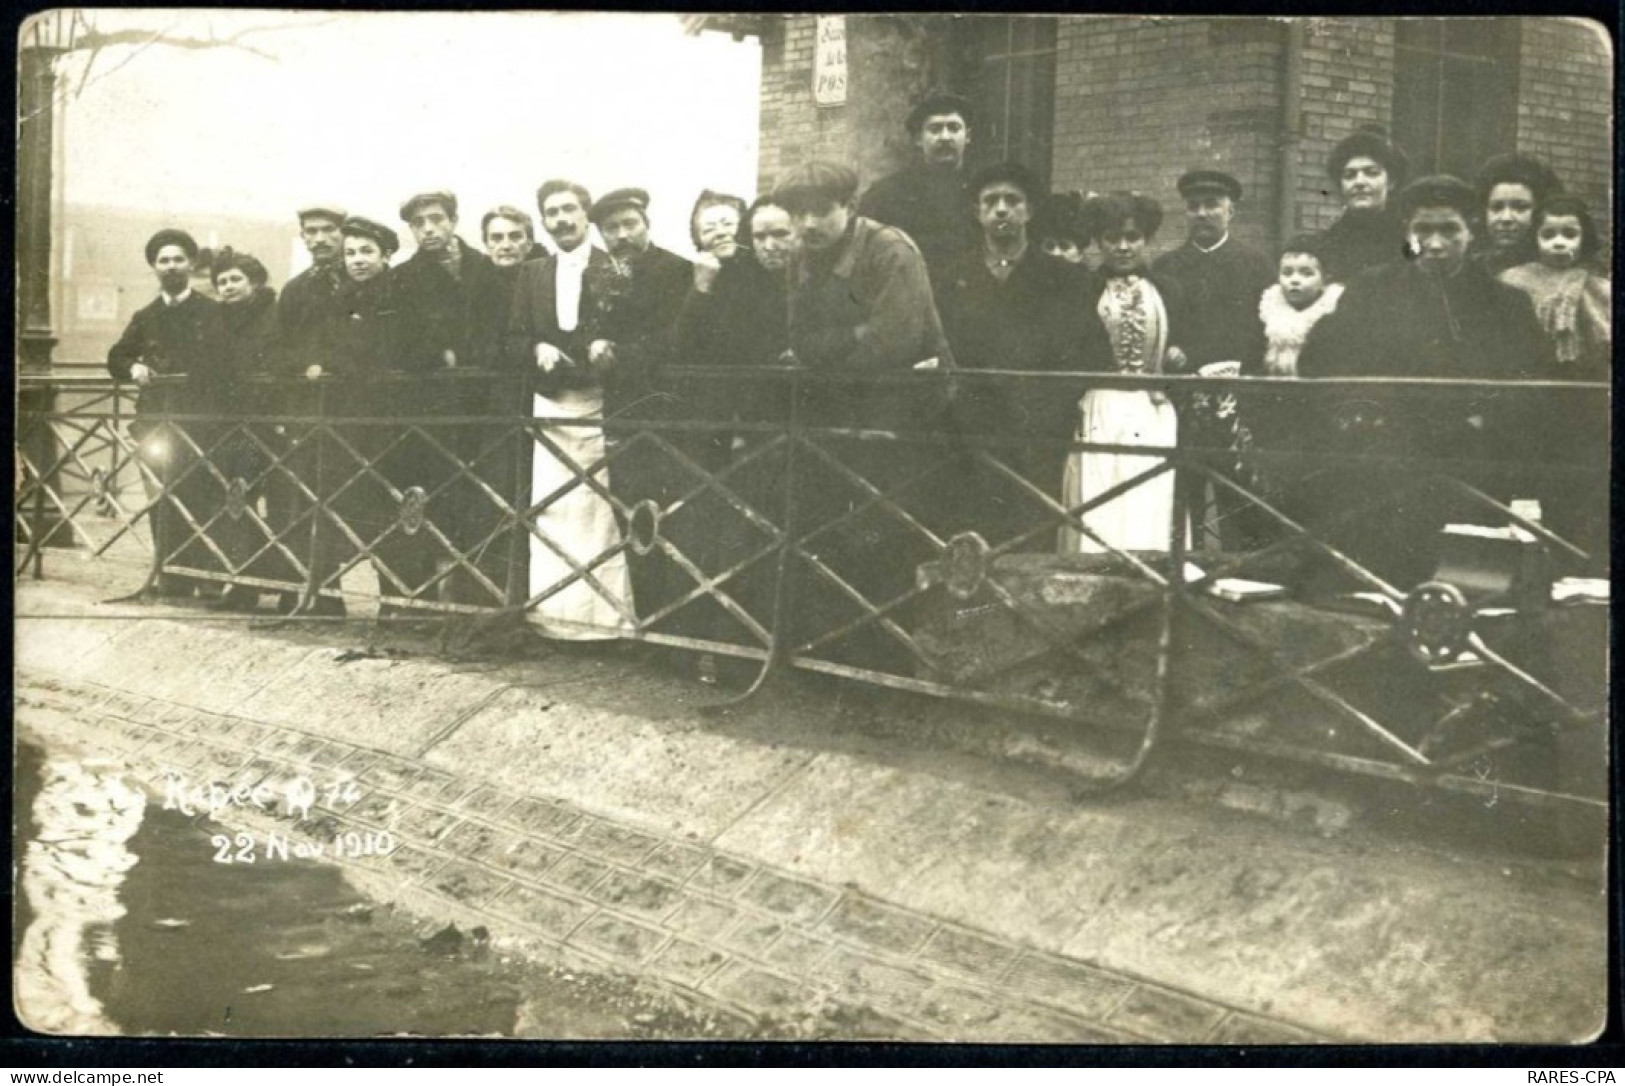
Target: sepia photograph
x=957, y=528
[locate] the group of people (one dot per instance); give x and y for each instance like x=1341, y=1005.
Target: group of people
x=936, y=272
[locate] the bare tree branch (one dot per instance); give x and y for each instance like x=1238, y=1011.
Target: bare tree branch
x=98, y=39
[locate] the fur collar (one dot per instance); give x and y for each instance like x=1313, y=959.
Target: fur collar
x=1287, y=326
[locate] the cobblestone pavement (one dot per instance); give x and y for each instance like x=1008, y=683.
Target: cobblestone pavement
x=757, y=943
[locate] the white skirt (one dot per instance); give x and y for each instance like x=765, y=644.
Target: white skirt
x=1140, y=519
x=578, y=523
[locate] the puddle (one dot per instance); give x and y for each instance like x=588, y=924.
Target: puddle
x=126, y=925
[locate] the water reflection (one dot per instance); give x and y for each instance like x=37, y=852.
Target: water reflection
x=84, y=817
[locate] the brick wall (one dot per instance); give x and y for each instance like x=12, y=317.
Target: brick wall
x=1140, y=101
x=793, y=129
x=1565, y=107
x=1347, y=80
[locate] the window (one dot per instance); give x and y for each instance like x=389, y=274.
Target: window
x=1455, y=92
x=1006, y=67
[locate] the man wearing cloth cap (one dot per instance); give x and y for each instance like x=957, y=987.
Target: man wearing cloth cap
x=1011, y=306
x=927, y=199
x=177, y=333
x=1440, y=314
x=1221, y=279
x=303, y=303
x=637, y=331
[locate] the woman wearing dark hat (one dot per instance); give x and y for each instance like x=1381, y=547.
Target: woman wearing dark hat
x=1060, y=229
x=1366, y=167
x=1142, y=318
x=250, y=345
x=1510, y=187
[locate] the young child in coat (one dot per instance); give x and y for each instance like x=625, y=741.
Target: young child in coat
x=1300, y=297
x=1573, y=302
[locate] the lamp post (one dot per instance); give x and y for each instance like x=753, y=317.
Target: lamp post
x=44, y=38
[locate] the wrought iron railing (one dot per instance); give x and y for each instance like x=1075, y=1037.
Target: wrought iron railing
x=919, y=550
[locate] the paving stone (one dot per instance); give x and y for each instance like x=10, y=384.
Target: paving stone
x=635, y=893
x=1166, y=1016
x=796, y=953
x=324, y=827
x=758, y=990
x=685, y=962
x=619, y=844
x=526, y=857
x=618, y=938
x=576, y=873
x=477, y=841
x=360, y=761
x=1071, y=986
x=308, y=750
x=249, y=734
x=1244, y=1029
x=379, y=809
x=877, y=925
x=968, y=954
x=429, y=784
x=856, y=976
x=548, y=913
x=485, y=801
x=281, y=743
x=330, y=756
x=957, y=1009
x=804, y=901
x=427, y=825
x=674, y=861
x=390, y=773
x=535, y=816
x=697, y=916
x=467, y=884
x=721, y=875
x=755, y=934
x=1017, y=1024
x=412, y=863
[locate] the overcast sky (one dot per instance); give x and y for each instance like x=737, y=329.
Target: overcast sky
x=366, y=108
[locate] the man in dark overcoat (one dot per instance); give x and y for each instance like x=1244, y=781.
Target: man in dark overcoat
x=453, y=307
x=927, y=199
x=1011, y=306
x=1221, y=279
x=178, y=333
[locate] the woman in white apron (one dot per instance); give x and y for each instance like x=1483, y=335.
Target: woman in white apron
x=1134, y=310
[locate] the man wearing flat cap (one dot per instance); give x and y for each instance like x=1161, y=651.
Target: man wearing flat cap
x=1440, y=315
x=303, y=304
x=1011, y=306
x=177, y=333
x=927, y=199
x=1221, y=279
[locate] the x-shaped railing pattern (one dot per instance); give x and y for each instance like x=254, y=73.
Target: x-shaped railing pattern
x=344, y=477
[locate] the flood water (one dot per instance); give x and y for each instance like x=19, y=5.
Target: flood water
x=125, y=925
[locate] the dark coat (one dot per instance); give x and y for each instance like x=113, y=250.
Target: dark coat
x=178, y=339
x=360, y=336
x=742, y=321
x=1038, y=319
x=251, y=346
x=633, y=304
x=932, y=206
x=304, y=307
x=1361, y=239
x=1220, y=292
x=464, y=315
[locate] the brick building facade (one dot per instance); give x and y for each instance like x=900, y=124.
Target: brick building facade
x=1113, y=102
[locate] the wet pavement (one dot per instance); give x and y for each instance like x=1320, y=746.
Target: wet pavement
x=802, y=870
x=127, y=924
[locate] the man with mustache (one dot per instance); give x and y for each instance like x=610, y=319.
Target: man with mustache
x=302, y=305
x=1220, y=279
x=177, y=333
x=927, y=200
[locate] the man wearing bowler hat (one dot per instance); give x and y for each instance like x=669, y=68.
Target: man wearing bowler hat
x=1221, y=279
x=927, y=199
